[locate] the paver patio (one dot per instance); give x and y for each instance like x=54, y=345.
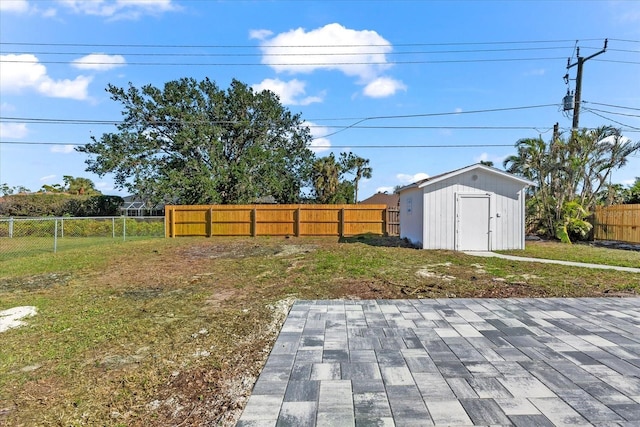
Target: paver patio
x=521, y=362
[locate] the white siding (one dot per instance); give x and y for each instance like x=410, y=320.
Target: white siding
x=411, y=215
x=506, y=209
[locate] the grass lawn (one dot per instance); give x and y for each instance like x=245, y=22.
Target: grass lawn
x=175, y=331
x=580, y=253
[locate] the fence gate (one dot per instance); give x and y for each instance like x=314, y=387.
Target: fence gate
x=393, y=221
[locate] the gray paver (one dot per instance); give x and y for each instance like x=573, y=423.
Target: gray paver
x=522, y=362
x=484, y=411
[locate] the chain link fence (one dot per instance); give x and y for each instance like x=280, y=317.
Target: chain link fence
x=25, y=236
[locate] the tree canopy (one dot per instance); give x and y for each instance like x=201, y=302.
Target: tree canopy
x=194, y=143
x=72, y=185
x=570, y=176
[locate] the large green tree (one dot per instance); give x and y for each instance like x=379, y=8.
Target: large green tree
x=191, y=142
x=570, y=176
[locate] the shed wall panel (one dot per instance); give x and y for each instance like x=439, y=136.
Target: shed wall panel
x=411, y=215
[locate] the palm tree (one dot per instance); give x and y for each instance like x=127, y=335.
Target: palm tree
x=362, y=170
x=80, y=186
x=358, y=166
x=325, y=174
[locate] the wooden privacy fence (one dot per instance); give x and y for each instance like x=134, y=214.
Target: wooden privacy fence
x=274, y=220
x=619, y=222
x=393, y=221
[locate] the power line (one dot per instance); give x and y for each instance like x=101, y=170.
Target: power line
x=437, y=114
x=201, y=46
x=612, y=112
x=290, y=64
x=355, y=53
x=359, y=119
x=618, y=61
x=313, y=146
x=611, y=105
x=611, y=120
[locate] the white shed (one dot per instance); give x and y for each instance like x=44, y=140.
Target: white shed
x=476, y=208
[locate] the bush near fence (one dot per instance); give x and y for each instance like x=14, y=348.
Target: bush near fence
x=59, y=204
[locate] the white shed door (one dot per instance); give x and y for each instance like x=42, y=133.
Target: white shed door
x=473, y=214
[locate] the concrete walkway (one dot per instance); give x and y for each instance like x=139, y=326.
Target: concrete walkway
x=554, y=261
x=522, y=362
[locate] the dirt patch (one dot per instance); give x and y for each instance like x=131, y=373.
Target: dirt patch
x=229, y=250
x=143, y=293
x=365, y=289
x=217, y=393
x=32, y=283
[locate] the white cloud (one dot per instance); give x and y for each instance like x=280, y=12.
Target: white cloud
x=628, y=182
x=355, y=53
x=18, y=72
x=13, y=130
x=332, y=47
x=458, y=110
x=612, y=139
x=5, y=107
x=626, y=12
x=64, y=149
x=17, y=6
x=388, y=190
x=49, y=13
x=260, y=34
x=73, y=89
x=535, y=72
x=47, y=178
x=319, y=143
x=24, y=6
x=99, y=62
x=290, y=93
x=409, y=179
x=119, y=9
x=383, y=87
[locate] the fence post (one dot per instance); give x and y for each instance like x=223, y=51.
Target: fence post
x=210, y=223
x=55, y=236
x=254, y=222
x=113, y=227
x=10, y=227
x=385, y=222
x=124, y=228
x=62, y=227
x=172, y=216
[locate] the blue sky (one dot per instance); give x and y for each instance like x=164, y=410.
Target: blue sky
x=414, y=78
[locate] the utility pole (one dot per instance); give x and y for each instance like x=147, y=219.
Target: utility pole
x=580, y=64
